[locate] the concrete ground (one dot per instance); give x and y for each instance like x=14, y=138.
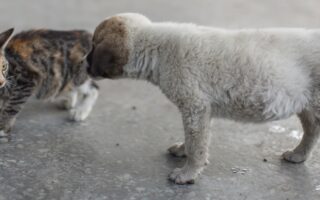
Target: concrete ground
x=120, y=151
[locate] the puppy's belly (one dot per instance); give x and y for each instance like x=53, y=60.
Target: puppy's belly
x=257, y=112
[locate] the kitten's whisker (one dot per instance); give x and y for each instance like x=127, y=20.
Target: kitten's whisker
x=9, y=84
x=11, y=77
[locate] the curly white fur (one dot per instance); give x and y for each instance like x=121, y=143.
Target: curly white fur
x=244, y=75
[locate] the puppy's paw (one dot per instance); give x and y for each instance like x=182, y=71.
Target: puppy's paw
x=79, y=113
x=294, y=157
x=4, y=137
x=182, y=176
x=177, y=150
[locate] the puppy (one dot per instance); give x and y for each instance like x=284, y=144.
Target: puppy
x=244, y=75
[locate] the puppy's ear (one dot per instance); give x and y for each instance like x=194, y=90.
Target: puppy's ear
x=4, y=37
x=102, y=56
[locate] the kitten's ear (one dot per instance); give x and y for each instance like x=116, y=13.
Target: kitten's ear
x=4, y=37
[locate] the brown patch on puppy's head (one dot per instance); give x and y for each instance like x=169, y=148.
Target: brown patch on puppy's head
x=109, y=52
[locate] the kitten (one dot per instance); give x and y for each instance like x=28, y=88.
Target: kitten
x=243, y=75
x=44, y=63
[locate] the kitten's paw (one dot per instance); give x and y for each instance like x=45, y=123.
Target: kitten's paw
x=65, y=104
x=182, y=176
x=79, y=113
x=177, y=150
x=4, y=137
x=294, y=157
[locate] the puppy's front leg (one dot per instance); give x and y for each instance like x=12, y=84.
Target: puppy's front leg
x=196, y=121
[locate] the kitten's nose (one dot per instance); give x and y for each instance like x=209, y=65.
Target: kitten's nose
x=2, y=82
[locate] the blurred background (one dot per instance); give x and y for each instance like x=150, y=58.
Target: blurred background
x=119, y=152
x=70, y=14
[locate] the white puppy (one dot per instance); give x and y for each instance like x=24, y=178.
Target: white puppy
x=244, y=75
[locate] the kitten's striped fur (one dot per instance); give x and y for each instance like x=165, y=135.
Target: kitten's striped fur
x=46, y=63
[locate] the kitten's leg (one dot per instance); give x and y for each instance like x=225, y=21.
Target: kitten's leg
x=69, y=101
x=196, y=121
x=19, y=94
x=89, y=91
x=311, y=129
x=9, y=121
x=5, y=127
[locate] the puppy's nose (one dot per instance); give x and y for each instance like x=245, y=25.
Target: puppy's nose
x=88, y=69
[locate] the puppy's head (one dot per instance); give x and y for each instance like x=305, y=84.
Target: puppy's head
x=110, y=46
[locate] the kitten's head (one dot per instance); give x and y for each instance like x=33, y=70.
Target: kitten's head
x=80, y=73
x=110, y=50
x=4, y=65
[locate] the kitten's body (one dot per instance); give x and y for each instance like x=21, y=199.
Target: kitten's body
x=46, y=64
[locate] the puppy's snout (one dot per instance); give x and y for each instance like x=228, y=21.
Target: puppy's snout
x=89, y=57
x=88, y=70
x=88, y=60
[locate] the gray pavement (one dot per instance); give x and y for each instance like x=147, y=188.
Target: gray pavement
x=120, y=151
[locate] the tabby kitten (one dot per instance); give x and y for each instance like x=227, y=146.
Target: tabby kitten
x=44, y=63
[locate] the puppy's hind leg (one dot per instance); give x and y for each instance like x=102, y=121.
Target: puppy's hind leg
x=311, y=127
x=89, y=93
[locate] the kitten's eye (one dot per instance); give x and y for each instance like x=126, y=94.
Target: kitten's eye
x=5, y=67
